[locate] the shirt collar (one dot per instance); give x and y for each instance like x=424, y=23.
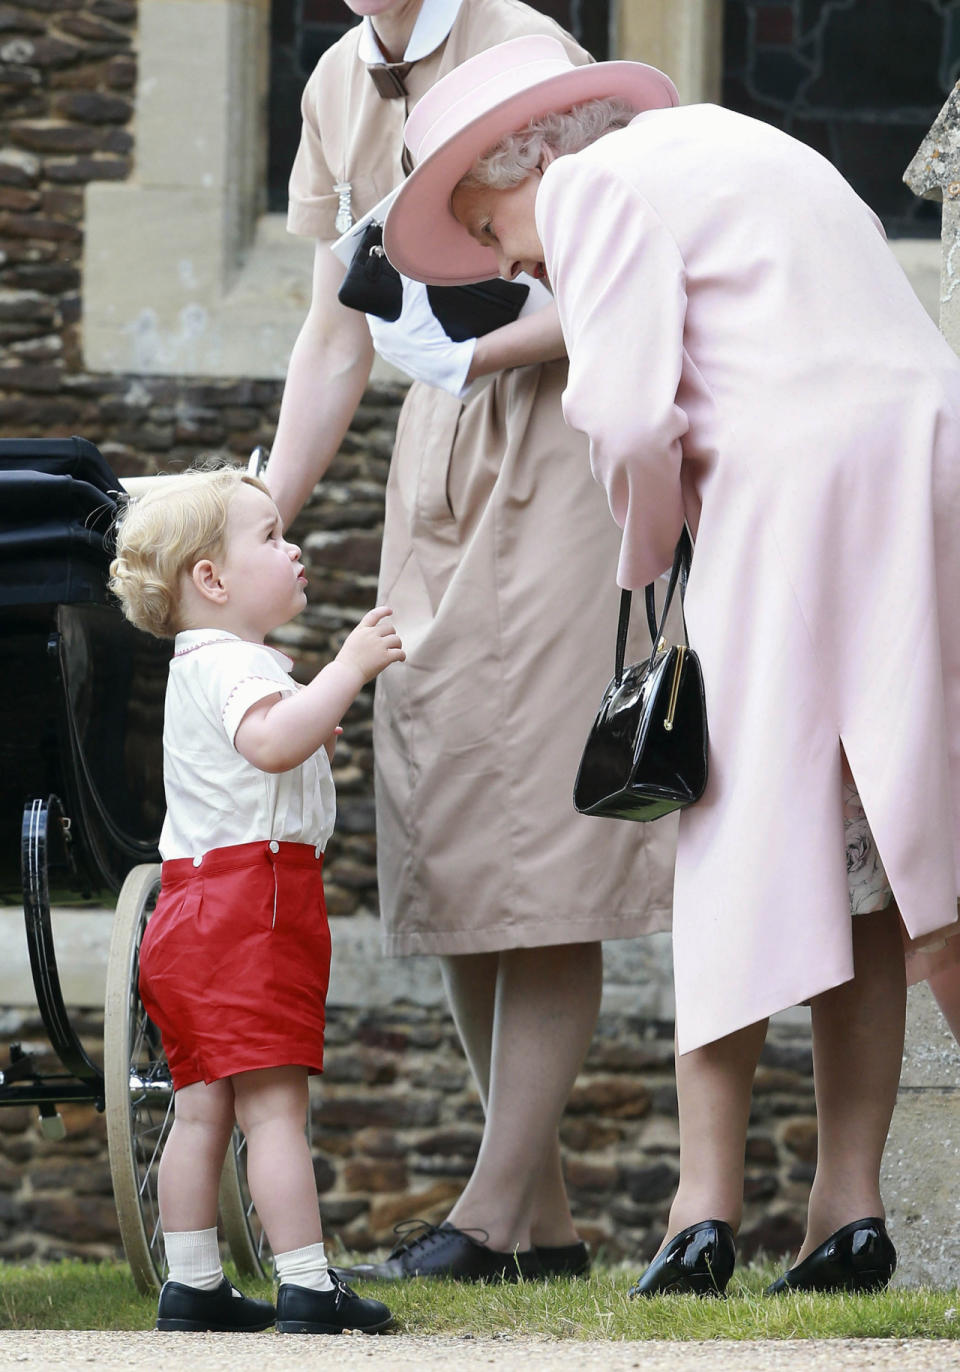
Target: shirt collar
x=433, y=23
x=188, y=640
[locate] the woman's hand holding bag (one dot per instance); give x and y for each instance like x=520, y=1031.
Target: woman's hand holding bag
x=647, y=751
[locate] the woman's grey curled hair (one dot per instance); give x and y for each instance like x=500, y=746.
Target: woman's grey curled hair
x=511, y=160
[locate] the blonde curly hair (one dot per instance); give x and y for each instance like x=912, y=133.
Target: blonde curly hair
x=163, y=533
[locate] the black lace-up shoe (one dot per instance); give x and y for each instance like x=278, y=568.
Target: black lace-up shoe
x=696, y=1262
x=858, y=1257
x=430, y=1250
x=301, y=1310
x=568, y=1260
x=222, y=1311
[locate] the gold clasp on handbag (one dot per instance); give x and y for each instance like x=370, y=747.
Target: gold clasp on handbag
x=674, y=689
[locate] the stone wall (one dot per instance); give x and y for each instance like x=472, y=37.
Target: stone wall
x=396, y=1123
x=67, y=76
x=396, y=1127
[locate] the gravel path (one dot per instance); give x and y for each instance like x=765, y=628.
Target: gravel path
x=27, y=1351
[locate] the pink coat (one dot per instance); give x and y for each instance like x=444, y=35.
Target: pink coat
x=745, y=352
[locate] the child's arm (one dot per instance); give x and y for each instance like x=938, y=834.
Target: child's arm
x=280, y=732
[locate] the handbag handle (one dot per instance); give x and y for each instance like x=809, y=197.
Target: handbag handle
x=679, y=572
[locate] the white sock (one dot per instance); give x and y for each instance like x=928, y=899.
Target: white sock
x=304, y=1267
x=193, y=1256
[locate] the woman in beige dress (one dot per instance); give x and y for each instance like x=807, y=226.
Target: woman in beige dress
x=499, y=563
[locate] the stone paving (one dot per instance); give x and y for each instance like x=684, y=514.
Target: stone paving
x=55, y=1350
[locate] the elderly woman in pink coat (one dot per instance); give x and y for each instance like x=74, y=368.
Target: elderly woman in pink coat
x=746, y=356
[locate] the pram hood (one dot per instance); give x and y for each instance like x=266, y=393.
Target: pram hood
x=58, y=499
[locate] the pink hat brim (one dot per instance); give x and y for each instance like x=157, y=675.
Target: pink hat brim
x=421, y=236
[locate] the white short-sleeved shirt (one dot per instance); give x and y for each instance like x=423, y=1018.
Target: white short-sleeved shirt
x=215, y=797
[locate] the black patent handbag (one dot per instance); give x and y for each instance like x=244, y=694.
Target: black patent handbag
x=646, y=754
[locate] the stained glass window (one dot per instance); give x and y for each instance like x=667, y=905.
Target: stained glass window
x=859, y=80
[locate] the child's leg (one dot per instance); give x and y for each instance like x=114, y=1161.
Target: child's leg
x=271, y=1108
x=189, y=1175
x=272, y=1111
x=189, y=1179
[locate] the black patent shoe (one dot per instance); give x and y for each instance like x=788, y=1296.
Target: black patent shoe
x=223, y=1311
x=567, y=1260
x=696, y=1262
x=445, y=1251
x=300, y=1310
x=858, y=1257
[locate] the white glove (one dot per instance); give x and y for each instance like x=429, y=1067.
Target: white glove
x=418, y=345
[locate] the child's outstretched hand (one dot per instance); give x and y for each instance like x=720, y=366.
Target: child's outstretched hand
x=373, y=644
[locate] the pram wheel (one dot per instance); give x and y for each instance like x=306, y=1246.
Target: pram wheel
x=139, y=1091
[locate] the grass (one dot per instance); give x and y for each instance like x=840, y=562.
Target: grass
x=75, y=1295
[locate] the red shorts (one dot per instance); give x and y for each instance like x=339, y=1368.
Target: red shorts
x=235, y=961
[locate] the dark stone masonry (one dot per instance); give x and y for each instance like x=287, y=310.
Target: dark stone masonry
x=396, y=1122
x=396, y=1128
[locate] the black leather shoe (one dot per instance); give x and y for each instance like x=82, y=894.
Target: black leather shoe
x=222, y=1311
x=696, y=1262
x=301, y=1310
x=569, y=1260
x=445, y=1251
x=858, y=1257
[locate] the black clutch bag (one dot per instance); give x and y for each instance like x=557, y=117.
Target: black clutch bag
x=647, y=751
x=372, y=285
x=471, y=311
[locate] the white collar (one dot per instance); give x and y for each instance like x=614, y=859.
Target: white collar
x=433, y=23
x=188, y=640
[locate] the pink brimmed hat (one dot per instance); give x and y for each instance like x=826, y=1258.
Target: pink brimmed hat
x=495, y=93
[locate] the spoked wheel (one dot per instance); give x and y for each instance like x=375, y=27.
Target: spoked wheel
x=139, y=1090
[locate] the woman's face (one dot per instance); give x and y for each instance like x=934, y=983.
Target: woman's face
x=505, y=222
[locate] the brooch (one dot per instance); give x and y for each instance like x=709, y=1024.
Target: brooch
x=344, y=219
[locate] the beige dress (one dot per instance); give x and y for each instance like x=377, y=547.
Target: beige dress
x=499, y=560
